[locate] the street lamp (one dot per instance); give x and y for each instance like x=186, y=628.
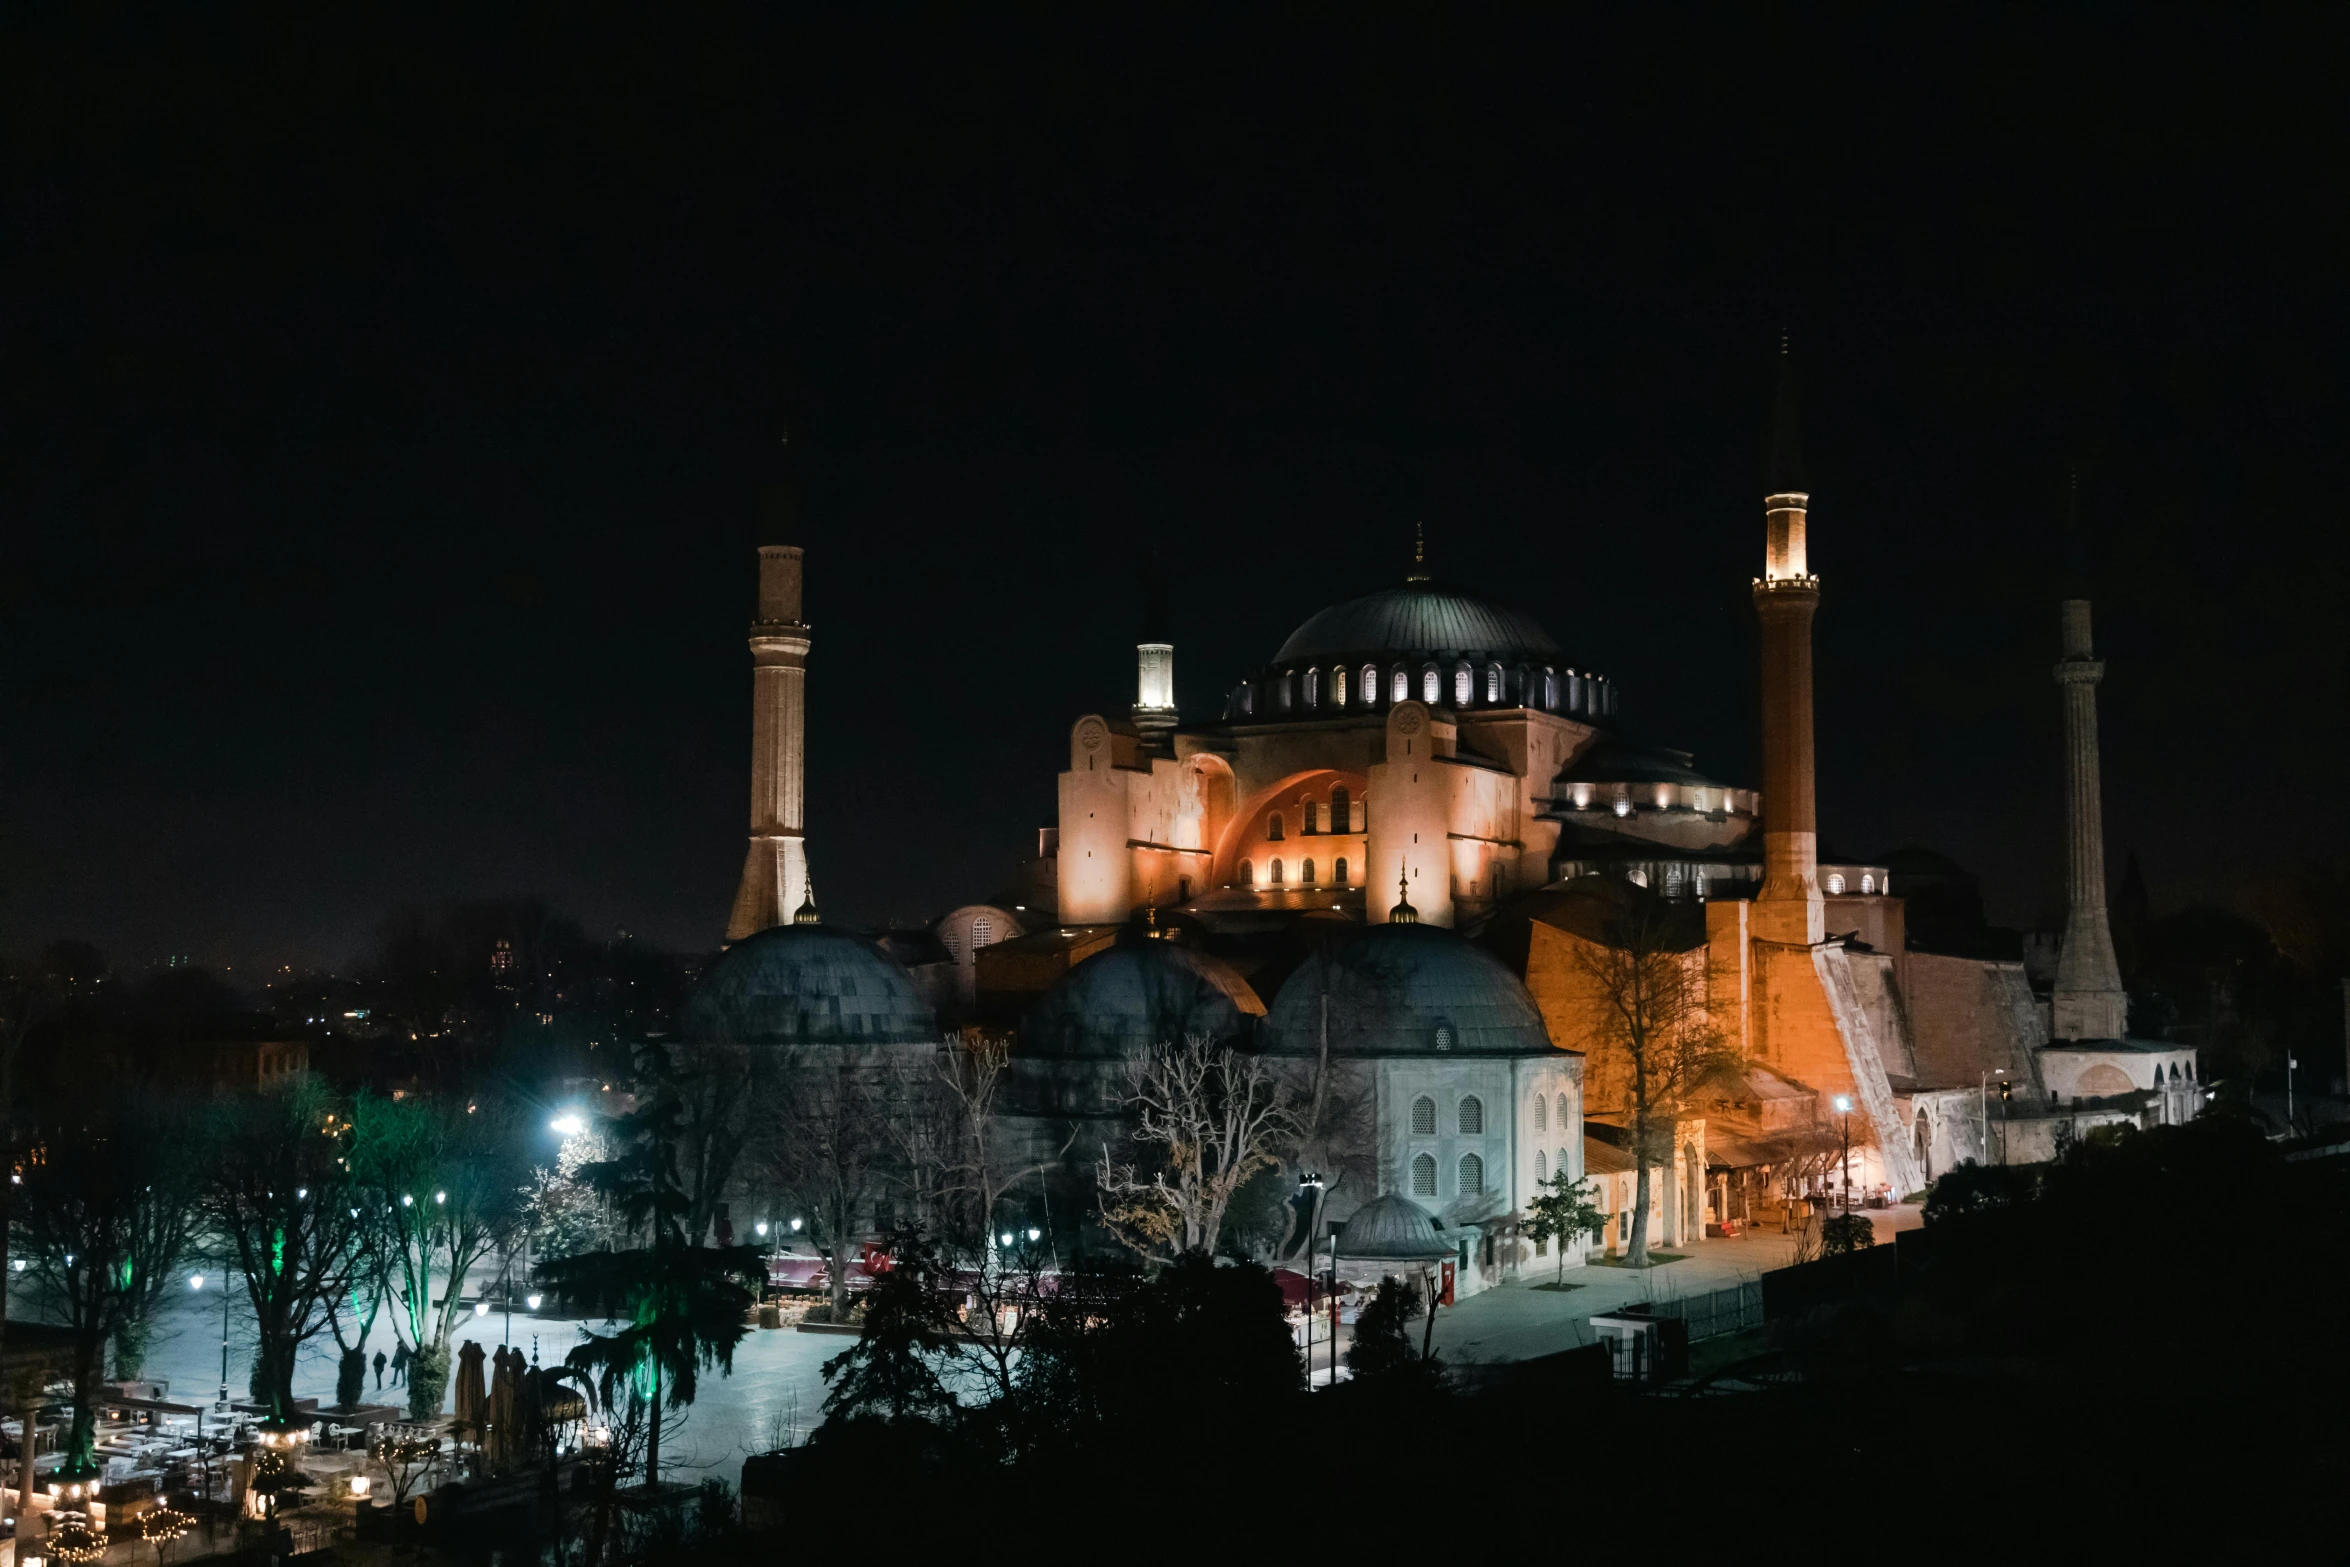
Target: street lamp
x=569, y=1124
x=1844, y=1168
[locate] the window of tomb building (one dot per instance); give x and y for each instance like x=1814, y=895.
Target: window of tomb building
x=1428, y=683
x=1423, y=1117
x=1313, y=687
x=1338, y=688
x=1492, y=682
x=1868, y=883
x=1541, y=1115
x=1541, y=1166
x=1306, y=875
x=1273, y=827
x=1402, y=687
x=1550, y=690
x=1563, y=1166
x=1472, y=1116
x=1424, y=1175
x=1338, y=872
x=1472, y=1175
x=1370, y=685
x=1444, y=1036
x=1276, y=873
x=1835, y=886
x=982, y=932
x=1341, y=810
x=1463, y=687
x=1281, y=687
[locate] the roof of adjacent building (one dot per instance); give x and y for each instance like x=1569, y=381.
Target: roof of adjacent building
x=1406, y=990
x=1392, y=1228
x=1139, y=993
x=1420, y=618
x=1612, y=760
x=808, y=984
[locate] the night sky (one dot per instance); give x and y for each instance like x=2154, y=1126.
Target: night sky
x=389, y=411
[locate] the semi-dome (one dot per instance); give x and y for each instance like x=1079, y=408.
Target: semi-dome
x=1139, y=993
x=1406, y=990
x=1391, y=1229
x=1419, y=617
x=808, y=984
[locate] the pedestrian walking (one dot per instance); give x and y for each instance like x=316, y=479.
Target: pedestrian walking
x=379, y=1370
x=400, y=1359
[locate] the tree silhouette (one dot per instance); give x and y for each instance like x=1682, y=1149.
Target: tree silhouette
x=680, y=1304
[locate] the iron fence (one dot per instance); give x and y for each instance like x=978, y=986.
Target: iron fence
x=1716, y=1312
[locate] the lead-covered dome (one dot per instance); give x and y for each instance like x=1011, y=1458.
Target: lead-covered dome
x=1139, y=993
x=808, y=984
x=1406, y=990
x=1392, y=1228
x=1422, y=618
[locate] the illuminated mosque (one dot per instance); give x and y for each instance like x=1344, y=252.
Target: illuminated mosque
x=1376, y=867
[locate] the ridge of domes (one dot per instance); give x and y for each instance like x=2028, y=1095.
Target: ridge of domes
x=1137, y=994
x=1419, y=617
x=808, y=984
x=1406, y=990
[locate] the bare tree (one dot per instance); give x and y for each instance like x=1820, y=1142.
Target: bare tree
x=829, y=1146
x=1219, y=1117
x=980, y=1165
x=1650, y=1016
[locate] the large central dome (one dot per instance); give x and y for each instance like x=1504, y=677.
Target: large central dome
x=1419, y=617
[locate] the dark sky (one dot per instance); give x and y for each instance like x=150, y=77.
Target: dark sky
x=388, y=411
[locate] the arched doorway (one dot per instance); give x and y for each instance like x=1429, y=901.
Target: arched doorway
x=1922, y=1143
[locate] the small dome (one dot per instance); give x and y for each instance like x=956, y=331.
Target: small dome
x=1419, y=617
x=1407, y=990
x=808, y=984
x=1391, y=1229
x=1140, y=993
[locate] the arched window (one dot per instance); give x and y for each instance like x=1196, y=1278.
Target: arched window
x=1341, y=810
x=1276, y=873
x=1306, y=875
x=1402, y=687
x=1541, y=1166
x=1313, y=687
x=1492, y=682
x=1428, y=684
x=1472, y=1116
x=1868, y=883
x=982, y=932
x=1273, y=828
x=1282, y=686
x=1424, y=1176
x=1338, y=875
x=2190, y=1071
x=1835, y=886
x=1563, y=1166
x=1462, y=686
x=1541, y=1115
x=1338, y=688
x=1472, y=1175
x=1248, y=874
x=1370, y=685
x=1423, y=1117
x=1550, y=690
x=1444, y=1036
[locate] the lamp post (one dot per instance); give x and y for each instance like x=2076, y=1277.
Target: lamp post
x=1844, y=1166
x=1310, y=1187
x=203, y=1453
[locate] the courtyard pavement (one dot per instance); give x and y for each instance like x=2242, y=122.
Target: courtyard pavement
x=1516, y=1321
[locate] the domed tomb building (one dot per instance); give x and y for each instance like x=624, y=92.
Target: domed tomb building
x=1419, y=733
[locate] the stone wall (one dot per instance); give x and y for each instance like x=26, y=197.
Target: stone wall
x=1969, y=1017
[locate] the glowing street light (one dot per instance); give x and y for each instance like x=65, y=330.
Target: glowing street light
x=532, y=1301
x=569, y=1124
x=195, y=1281
x=1844, y=1109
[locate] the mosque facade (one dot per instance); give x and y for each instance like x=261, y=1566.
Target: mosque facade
x=1373, y=869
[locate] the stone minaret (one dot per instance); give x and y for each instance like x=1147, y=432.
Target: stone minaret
x=1154, y=659
x=1786, y=595
x=775, y=876
x=2089, y=1002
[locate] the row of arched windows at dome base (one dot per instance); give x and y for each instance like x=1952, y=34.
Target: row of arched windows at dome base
x=1276, y=873
x=1466, y=684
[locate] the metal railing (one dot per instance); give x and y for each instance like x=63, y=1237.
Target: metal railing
x=1716, y=1312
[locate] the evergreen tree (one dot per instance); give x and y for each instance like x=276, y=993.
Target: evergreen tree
x=680, y=1304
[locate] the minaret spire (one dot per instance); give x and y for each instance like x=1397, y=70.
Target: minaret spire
x=1403, y=913
x=1788, y=908
x=2089, y=1002
x=806, y=913
x=1419, y=571
x=775, y=875
x=1154, y=659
